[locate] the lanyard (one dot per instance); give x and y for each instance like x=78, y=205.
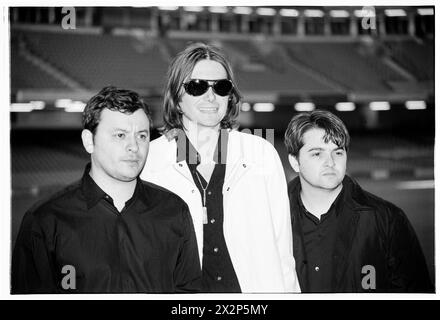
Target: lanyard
x=205, y=210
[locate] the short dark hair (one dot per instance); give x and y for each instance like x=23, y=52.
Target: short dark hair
x=335, y=130
x=114, y=99
x=180, y=70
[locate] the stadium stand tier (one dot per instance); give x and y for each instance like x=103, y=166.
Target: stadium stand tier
x=140, y=63
x=28, y=75
x=349, y=64
x=99, y=60
x=415, y=56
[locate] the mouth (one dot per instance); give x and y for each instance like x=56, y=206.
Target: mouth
x=131, y=161
x=208, y=109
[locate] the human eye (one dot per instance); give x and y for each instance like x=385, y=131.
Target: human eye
x=340, y=152
x=316, y=154
x=120, y=135
x=143, y=136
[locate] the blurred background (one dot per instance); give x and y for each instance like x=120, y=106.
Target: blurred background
x=371, y=66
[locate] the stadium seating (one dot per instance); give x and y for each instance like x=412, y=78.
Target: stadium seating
x=99, y=60
x=416, y=57
x=257, y=72
x=345, y=64
x=278, y=74
x=309, y=67
x=26, y=75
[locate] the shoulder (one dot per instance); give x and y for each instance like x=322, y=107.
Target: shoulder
x=384, y=210
x=293, y=186
x=253, y=143
x=62, y=198
x=248, y=136
x=166, y=205
x=161, y=152
x=47, y=209
x=161, y=142
x=160, y=196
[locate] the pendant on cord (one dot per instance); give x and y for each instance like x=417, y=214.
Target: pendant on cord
x=205, y=215
x=205, y=211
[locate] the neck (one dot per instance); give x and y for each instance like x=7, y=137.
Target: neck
x=204, y=139
x=317, y=200
x=120, y=191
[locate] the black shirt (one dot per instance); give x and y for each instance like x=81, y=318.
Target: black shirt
x=149, y=246
x=319, y=239
x=218, y=274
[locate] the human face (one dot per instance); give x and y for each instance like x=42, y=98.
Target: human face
x=209, y=109
x=320, y=165
x=120, y=145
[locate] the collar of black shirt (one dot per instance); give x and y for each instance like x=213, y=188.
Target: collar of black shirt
x=187, y=152
x=93, y=193
x=334, y=208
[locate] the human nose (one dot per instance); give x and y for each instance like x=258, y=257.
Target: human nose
x=210, y=95
x=330, y=162
x=132, y=144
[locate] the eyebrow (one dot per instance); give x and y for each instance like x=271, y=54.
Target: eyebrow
x=124, y=130
x=209, y=80
x=322, y=149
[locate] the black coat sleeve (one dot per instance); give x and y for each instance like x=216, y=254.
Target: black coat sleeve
x=409, y=272
x=188, y=272
x=32, y=269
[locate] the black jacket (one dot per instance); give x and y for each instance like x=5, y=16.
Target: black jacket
x=371, y=233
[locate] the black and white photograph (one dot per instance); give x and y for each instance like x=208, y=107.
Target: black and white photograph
x=199, y=150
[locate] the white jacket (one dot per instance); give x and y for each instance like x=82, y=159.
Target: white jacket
x=257, y=226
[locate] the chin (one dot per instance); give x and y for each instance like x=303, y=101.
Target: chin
x=127, y=178
x=129, y=175
x=331, y=185
x=211, y=124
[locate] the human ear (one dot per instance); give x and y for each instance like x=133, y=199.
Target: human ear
x=294, y=163
x=87, y=140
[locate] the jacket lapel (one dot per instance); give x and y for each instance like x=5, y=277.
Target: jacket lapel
x=347, y=228
x=236, y=164
x=169, y=155
x=183, y=169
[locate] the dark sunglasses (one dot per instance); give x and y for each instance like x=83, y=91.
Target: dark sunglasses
x=197, y=87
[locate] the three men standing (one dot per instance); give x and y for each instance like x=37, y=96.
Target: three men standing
x=232, y=232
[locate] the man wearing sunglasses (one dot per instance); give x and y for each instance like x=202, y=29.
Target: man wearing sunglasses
x=233, y=182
